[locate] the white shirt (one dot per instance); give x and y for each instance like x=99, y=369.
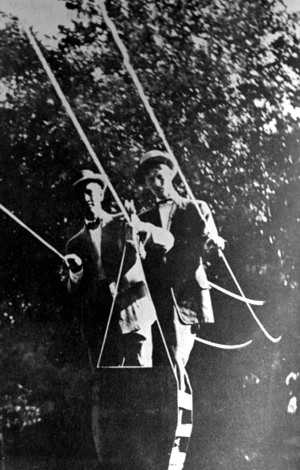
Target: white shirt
x=165, y=210
x=96, y=235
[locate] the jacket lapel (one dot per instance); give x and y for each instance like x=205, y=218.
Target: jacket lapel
x=153, y=216
x=171, y=216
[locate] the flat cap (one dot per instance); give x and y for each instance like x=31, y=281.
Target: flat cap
x=88, y=176
x=150, y=159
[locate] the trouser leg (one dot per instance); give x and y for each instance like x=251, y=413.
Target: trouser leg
x=136, y=332
x=146, y=348
x=206, y=306
x=184, y=341
x=137, y=348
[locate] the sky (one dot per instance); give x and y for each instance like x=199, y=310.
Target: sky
x=293, y=5
x=45, y=15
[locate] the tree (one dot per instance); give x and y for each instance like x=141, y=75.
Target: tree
x=40, y=345
x=217, y=74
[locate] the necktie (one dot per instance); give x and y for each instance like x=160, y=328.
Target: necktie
x=93, y=224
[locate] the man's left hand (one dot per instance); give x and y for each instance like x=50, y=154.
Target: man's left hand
x=220, y=243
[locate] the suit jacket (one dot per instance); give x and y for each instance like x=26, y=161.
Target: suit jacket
x=179, y=275
x=95, y=272
x=91, y=297
x=92, y=294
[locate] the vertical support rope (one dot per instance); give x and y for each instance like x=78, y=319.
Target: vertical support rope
x=122, y=48
x=112, y=305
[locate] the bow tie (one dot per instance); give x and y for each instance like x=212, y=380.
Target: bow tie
x=93, y=224
x=162, y=202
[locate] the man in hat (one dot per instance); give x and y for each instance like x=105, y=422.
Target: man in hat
x=95, y=255
x=177, y=280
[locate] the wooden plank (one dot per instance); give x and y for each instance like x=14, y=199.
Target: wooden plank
x=184, y=430
x=185, y=400
x=177, y=459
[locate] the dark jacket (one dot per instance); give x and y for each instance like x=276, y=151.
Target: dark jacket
x=175, y=272
x=94, y=272
x=91, y=296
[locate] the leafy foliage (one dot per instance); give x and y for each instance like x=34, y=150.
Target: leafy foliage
x=218, y=75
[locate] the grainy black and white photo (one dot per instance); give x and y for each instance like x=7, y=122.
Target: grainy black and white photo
x=149, y=224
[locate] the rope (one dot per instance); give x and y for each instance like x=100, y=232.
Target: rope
x=164, y=341
x=223, y=346
x=236, y=296
x=122, y=48
x=261, y=326
x=74, y=119
x=92, y=154
x=112, y=305
x=111, y=312
x=60, y=255
x=54, y=250
x=32, y=232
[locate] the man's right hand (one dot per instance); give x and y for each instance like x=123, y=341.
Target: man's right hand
x=73, y=262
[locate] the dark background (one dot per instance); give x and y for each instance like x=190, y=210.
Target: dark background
x=217, y=74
